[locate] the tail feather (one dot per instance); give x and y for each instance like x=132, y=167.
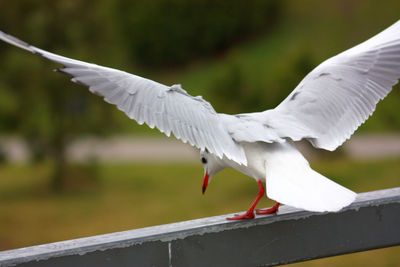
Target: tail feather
x=291, y=181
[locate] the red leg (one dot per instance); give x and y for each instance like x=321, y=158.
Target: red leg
x=272, y=210
x=250, y=213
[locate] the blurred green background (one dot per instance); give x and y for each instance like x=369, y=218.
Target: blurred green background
x=254, y=51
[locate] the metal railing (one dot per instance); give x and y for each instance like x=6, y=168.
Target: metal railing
x=372, y=221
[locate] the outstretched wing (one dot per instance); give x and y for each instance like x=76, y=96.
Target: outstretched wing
x=169, y=108
x=333, y=100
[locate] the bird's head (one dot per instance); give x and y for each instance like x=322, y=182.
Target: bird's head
x=212, y=165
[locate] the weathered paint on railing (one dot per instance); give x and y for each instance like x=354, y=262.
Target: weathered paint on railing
x=372, y=221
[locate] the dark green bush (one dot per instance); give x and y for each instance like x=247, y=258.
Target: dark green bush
x=167, y=32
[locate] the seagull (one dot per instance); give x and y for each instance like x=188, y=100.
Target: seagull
x=327, y=106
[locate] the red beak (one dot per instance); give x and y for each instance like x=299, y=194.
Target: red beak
x=205, y=182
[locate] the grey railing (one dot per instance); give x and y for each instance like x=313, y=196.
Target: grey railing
x=372, y=221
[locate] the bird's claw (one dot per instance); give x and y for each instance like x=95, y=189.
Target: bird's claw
x=272, y=210
x=245, y=216
x=266, y=211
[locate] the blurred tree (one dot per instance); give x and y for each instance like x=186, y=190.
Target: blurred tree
x=170, y=32
x=46, y=108
x=233, y=82
x=246, y=96
x=49, y=111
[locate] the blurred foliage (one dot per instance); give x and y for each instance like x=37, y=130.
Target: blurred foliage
x=48, y=112
x=259, y=73
x=243, y=95
x=168, y=32
x=45, y=108
x=243, y=56
x=254, y=51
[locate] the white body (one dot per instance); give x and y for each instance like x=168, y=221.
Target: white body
x=327, y=106
x=257, y=155
x=288, y=176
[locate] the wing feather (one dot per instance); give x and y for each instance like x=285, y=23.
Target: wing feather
x=169, y=108
x=333, y=100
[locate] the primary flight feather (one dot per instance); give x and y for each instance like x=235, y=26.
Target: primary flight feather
x=328, y=105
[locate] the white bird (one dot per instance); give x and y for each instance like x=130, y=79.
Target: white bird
x=328, y=105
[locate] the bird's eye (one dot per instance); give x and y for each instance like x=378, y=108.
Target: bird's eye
x=204, y=160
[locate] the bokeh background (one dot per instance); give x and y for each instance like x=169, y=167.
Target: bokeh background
x=242, y=56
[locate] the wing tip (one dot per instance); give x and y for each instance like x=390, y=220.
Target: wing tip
x=15, y=41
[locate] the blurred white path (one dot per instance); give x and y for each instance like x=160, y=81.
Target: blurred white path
x=150, y=149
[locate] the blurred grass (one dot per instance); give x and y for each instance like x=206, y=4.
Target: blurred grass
x=128, y=196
